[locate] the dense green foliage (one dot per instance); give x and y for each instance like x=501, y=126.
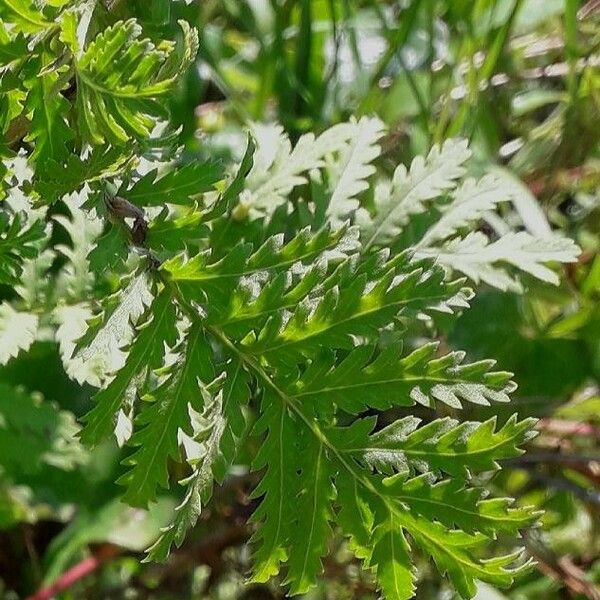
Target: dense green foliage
x=276, y=308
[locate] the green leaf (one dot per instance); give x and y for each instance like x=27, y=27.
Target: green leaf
x=97, y=350
x=470, y=201
x=110, y=249
x=311, y=530
x=356, y=306
x=18, y=241
x=441, y=446
x=160, y=420
x=363, y=380
x=218, y=445
x=12, y=49
x=278, y=168
x=48, y=110
x=278, y=488
x=241, y=314
x=391, y=559
x=75, y=279
x=68, y=29
x=177, y=186
x=451, y=551
x=12, y=98
x=355, y=515
x=61, y=179
x=235, y=397
x=225, y=282
x=426, y=179
x=478, y=258
x=119, y=76
x=455, y=506
x=146, y=352
x=24, y=15
x=234, y=189
x=177, y=231
x=353, y=168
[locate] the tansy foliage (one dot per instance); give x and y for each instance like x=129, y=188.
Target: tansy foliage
x=17, y=243
x=48, y=432
x=289, y=287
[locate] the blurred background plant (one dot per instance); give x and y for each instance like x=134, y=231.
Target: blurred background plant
x=520, y=79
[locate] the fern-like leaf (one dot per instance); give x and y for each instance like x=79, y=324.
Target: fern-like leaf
x=355, y=306
x=278, y=168
x=17, y=331
x=72, y=174
x=120, y=75
x=426, y=179
x=216, y=446
x=160, y=420
x=469, y=203
x=48, y=111
x=311, y=528
x=481, y=260
x=391, y=560
x=455, y=506
x=439, y=447
x=452, y=552
x=223, y=282
x=310, y=326
x=97, y=351
x=146, y=352
x=259, y=317
x=361, y=381
x=19, y=241
x=353, y=168
x=279, y=486
x=177, y=186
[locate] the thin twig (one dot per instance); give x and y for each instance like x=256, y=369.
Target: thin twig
x=552, y=457
x=77, y=572
x=563, y=484
x=565, y=427
x=32, y=552
x=561, y=569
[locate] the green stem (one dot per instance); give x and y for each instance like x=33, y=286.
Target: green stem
x=395, y=44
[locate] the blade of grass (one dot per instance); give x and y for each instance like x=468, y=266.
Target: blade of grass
x=303, y=55
x=395, y=44
x=572, y=47
x=351, y=31
x=424, y=108
x=467, y=115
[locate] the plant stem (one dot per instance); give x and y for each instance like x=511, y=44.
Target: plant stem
x=79, y=571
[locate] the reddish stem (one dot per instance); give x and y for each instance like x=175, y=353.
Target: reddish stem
x=565, y=427
x=77, y=572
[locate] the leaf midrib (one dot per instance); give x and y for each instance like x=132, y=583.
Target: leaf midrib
x=165, y=422
x=135, y=368
x=332, y=325
x=282, y=264
x=132, y=194
x=25, y=16
x=412, y=378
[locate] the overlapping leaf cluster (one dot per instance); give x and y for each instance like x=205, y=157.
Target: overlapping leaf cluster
x=287, y=292
x=64, y=85
x=295, y=327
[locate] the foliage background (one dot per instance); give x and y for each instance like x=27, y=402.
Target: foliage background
x=520, y=79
